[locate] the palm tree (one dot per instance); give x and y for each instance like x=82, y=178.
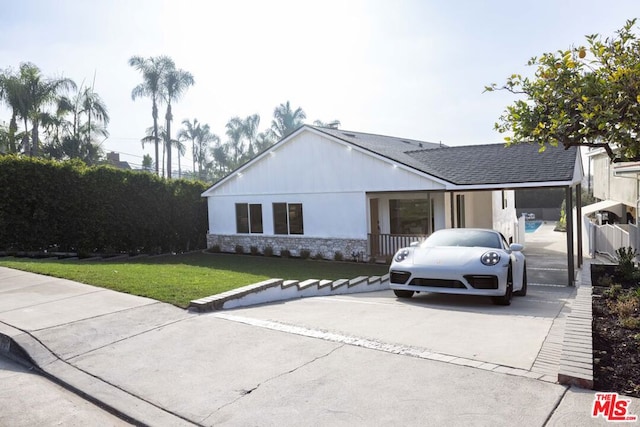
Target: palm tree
x=175, y=83
x=220, y=153
x=250, y=131
x=191, y=132
x=10, y=93
x=200, y=137
x=181, y=149
x=86, y=103
x=285, y=120
x=150, y=138
x=35, y=92
x=153, y=71
x=89, y=103
x=235, y=132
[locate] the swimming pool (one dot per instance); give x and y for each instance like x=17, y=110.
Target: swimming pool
x=531, y=226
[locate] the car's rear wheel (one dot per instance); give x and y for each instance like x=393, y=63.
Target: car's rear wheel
x=523, y=292
x=403, y=294
x=506, y=299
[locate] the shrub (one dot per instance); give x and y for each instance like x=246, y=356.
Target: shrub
x=613, y=291
x=305, y=253
x=630, y=322
x=285, y=253
x=215, y=249
x=239, y=249
x=625, y=306
x=108, y=210
x=254, y=250
x=267, y=251
x=337, y=256
x=318, y=256
x=626, y=262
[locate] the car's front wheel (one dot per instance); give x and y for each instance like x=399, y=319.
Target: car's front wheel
x=523, y=292
x=506, y=299
x=403, y=294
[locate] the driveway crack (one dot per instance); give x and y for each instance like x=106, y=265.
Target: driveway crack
x=243, y=393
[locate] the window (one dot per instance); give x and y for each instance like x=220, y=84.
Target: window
x=248, y=218
x=255, y=214
x=410, y=216
x=460, y=211
x=287, y=218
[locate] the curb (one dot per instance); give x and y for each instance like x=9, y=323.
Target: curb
x=23, y=348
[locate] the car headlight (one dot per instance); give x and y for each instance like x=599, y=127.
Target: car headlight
x=401, y=255
x=490, y=258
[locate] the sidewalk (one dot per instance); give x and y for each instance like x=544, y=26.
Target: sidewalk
x=155, y=364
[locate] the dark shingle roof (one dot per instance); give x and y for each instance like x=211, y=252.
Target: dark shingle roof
x=393, y=148
x=471, y=164
x=498, y=164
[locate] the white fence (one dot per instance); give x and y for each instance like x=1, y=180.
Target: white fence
x=520, y=230
x=607, y=239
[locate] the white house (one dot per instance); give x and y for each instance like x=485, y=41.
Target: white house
x=616, y=184
x=611, y=223
x=328, y=190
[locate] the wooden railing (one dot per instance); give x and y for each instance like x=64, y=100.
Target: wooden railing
x=382, y=245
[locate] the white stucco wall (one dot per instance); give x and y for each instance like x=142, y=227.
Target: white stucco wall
x=504, y=220
x=479, y=209
x=330, y=179
x=609, y=187
x=324, y=215
x=313, y=164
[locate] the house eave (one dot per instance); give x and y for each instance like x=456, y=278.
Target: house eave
x=511, y=185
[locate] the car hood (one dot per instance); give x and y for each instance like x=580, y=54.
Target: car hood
x=449, y=255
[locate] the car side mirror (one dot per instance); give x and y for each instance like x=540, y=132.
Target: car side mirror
x=517, y=247
x=414, y=244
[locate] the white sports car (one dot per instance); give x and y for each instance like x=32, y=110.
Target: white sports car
x=468, y=261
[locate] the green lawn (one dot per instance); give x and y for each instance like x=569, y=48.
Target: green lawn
x=179, y=279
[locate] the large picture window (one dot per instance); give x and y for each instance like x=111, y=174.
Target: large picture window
x=410, y=216
x=248, y=218
x=287, y=218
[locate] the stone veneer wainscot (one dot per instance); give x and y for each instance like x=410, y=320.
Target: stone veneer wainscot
x=326, y=247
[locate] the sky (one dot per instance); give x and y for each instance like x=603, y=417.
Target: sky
x=406, y=68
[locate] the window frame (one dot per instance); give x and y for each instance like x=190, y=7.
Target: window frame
x=288, y=218
x=251, y=213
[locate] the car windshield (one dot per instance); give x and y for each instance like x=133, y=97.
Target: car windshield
x=463, y=237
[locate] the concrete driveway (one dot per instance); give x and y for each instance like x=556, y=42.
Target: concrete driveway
x=365, y=359
x=448, y=326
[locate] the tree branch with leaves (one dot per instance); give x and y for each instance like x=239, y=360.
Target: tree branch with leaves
x=583, y=96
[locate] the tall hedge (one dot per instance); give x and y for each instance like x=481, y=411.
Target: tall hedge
x=69, y=207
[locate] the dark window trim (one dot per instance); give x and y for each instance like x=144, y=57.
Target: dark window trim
x=246, y=222
x=288, y=218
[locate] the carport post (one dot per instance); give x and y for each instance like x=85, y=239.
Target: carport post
x=568, y=213
x=579, y=222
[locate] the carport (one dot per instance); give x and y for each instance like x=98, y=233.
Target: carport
x=520, y=166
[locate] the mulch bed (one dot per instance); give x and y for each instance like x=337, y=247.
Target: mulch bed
x=616, y=347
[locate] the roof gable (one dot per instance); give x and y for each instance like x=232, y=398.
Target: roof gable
x=486, y=166
x=317, y=162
